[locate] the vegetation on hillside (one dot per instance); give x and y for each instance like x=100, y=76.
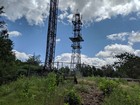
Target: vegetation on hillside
x=37, y=91
x=45, y=91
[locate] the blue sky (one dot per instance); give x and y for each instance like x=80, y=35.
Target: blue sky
x=110, y=28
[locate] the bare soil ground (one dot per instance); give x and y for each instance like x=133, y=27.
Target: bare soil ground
x=93, y=97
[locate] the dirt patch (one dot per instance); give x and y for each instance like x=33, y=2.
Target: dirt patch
x=93, y=97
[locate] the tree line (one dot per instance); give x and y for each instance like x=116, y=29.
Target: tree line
x=127, y=66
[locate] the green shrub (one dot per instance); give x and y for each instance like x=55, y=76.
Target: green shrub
x=51, y=82
x=72, y=98
x=120, y=96
x=107, y=86
x=82, y=88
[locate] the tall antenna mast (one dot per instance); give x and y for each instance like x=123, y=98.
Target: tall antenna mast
x=76, y=40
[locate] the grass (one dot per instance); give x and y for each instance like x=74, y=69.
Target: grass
x=117, y=92
x=43, y=91
x=126, y=93
x=34, y=91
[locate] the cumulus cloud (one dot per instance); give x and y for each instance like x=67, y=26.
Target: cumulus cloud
x=21, y=55
x=114, y=49
x=107, y=56
x=93, y=61
x=110, y=51
x=35, y=11
x=132, y=37
x=119, y=36
x=98, y=10
x=65, y=57
x=14, y=34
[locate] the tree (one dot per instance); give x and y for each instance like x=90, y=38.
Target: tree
x=128, y=65
x=108, y=71
x=87, y=70
x=6, y=45
x=98, y=72
x=7, y=57
x=34, y=60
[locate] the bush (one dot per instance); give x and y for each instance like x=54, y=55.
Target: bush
x=83, y=88
x=107, y=86
x=122, y=96
x=72, y=98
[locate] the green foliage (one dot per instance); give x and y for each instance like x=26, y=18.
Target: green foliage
x=124, y=96
x=106, y=85
x=44, y=91
x=30, y=67
x=34, y=60
x=87, y=71
x=82, y=88
x=128, y=65
x=117, y=91
x=108, y=71
x=72, y=98
x=7, y=58
x=51, y=82
x=65, y=71
x=34, y=91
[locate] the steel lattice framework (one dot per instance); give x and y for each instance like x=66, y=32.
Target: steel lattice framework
x=51, y=36
x=76, y=40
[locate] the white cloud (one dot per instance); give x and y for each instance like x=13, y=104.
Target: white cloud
x=138, y=14
x=14, y=34
x=58, y=40
x=119, y=36
x=114, y=49
x=132, y=37
x=137, y=52
x=98, y=10
x=35, y=11
x=107, y=56
x=66, y=58
x=132, y=18
x=63, y=15
x=110, y=51
x=21, y=55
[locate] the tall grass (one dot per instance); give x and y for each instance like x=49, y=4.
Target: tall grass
x=125, y=94
x=34, y=91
